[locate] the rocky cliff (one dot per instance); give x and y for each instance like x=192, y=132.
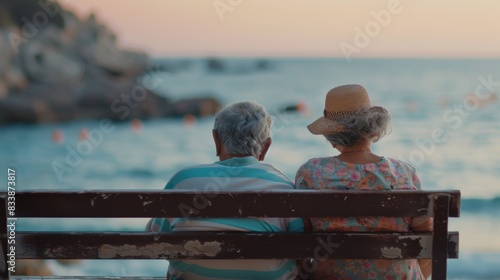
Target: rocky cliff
x=55, y=67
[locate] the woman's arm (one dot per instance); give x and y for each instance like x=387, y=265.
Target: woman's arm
x=423, y=224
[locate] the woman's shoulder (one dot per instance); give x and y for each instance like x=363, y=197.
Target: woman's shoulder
x=398, y=163
x=317, y=162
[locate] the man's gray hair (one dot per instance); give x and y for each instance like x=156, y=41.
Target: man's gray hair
x=243, y=128
x=370, y=124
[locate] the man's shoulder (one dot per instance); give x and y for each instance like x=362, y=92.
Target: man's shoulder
x=269, y=168
x=191, y=172
x=262, y=175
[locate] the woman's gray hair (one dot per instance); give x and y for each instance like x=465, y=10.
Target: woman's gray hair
x=243, y=128
x=368, y=124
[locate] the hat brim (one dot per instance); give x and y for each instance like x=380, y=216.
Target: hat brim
x=323, y=126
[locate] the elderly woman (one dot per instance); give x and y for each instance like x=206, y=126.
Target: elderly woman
x=242, y=138
x=351, y=124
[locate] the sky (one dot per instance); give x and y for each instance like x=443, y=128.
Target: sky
x=318, y=28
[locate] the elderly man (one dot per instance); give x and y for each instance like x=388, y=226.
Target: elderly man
x=242, y=138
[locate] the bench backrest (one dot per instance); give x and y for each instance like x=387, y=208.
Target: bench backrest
x=438, y=245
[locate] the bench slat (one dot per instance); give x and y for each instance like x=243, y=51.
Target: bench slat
x=227, y=245
x=235, y=245
x=21, y=277
x=298, y=203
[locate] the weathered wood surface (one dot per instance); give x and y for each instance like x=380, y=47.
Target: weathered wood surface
x=82, y=278
x=229, y=245
x=299, y=203
x=438, y=245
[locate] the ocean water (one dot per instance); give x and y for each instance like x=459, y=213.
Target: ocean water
x=445, y=121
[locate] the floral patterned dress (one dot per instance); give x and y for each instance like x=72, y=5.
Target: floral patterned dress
x=387, y=174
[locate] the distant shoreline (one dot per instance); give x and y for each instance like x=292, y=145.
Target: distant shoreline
x=317, y=57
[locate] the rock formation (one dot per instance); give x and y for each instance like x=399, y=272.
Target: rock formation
x=57, y=67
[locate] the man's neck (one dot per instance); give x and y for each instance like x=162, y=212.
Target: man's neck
x=225, y=156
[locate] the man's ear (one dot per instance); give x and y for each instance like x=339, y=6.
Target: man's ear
x=218, y=144
x=265, y=148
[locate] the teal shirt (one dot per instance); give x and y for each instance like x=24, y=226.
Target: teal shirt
x=235, y=174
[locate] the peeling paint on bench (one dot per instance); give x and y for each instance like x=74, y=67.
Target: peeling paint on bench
x=391, y=253
x=190, y=248
x=439, y=244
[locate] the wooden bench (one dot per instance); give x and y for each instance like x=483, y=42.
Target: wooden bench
x=438, y=245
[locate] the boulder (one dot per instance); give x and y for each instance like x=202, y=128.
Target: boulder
x=97, y=99
x=11, y=77
x=3, y=90
x=14, y=78
x=100, y=46
x=242, y=66
x=199, y=107
x=74, y=69
x=46, y=60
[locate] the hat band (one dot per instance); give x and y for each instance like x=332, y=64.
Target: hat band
x=333, y=116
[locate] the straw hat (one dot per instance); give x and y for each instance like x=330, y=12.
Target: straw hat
x=342, y=101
